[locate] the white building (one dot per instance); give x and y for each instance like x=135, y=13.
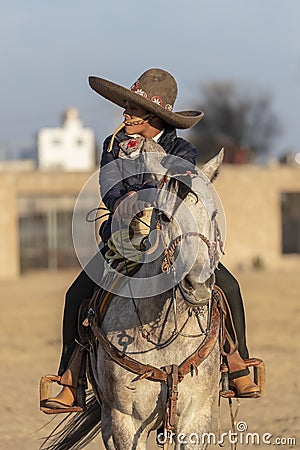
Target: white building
x=70, y=147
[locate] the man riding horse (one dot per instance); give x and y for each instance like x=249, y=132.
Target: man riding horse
x=148, y=117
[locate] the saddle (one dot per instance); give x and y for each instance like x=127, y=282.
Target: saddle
x=91, y=314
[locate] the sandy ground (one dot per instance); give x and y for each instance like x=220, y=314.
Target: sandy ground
x=31, y=311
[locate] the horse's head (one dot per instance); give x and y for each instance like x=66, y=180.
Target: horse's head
x=186, y=213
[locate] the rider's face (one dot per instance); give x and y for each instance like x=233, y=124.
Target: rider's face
x=134, y=119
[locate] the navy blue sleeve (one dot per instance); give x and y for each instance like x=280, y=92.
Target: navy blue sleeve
x=110, y=188
x=181, y=158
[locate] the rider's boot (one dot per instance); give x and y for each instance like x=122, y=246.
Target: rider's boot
x=64, y=399
x=240, y=382
x=67, y=397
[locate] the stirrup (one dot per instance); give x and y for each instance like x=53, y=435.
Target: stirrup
x=259, y=375
x=45, y=394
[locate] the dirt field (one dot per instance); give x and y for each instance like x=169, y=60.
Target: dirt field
x=31, y=311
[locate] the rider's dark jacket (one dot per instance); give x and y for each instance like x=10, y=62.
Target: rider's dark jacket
x=116, y=179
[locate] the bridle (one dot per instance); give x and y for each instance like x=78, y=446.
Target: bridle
x=170, y=249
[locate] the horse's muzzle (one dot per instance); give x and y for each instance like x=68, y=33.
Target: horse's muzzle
x=196, y=294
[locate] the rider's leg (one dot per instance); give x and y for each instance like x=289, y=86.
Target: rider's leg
x=82, y=288
x=230, y=286
x=238, y=370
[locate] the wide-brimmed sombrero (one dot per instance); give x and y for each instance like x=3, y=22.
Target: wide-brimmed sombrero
x=155, y=91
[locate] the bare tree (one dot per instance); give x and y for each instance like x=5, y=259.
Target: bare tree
x=239, y=120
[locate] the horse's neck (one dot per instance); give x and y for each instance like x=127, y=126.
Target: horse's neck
x=150, y=303
x=153, y=307
x=160, y=322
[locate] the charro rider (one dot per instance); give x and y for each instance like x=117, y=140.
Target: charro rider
x=148, y=115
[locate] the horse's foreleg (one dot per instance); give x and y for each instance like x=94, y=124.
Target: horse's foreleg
x=125, y=432
x=195, y=433
x=108, y=441
x=106, y=428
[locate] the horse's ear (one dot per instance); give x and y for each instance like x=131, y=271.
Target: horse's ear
x=212, y=168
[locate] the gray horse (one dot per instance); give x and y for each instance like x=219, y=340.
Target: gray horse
x=158, y=332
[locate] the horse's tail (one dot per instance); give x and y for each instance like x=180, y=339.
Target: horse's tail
x=77, y=431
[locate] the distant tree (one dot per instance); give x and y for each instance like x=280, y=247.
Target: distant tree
x=240, y=121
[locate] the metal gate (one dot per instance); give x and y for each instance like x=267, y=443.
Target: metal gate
x=45, y=232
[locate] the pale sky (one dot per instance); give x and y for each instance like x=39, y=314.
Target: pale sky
x=48, y=50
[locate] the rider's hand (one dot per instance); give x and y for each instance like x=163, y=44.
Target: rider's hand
x=129, y=205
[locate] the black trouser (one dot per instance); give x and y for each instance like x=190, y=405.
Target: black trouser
x=230, y=286
x=84, y=286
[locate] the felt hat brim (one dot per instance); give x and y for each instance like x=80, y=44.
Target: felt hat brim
x=120, y=96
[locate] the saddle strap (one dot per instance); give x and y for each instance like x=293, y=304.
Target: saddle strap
x=125, y=361
x=205, y=348
x=154, y=373
x=172, y=397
